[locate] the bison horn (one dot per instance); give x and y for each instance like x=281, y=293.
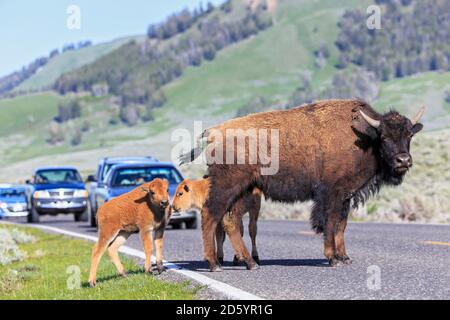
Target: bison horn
x=374, y=123
x=418, y=116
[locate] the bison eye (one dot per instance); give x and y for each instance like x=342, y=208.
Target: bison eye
x=152, y=192
x=180, y=194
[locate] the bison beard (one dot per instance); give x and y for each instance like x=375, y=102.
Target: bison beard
x=335, y=152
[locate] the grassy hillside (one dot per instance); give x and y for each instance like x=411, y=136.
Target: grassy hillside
x=68, y=61
x=408, y=94
x=25, y=115
x=269, y=64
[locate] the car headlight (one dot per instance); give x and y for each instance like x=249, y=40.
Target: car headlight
x=3, y=205
x=80, y=194
x=42, y=194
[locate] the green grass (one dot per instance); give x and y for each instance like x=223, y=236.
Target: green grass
x=69, y=61
x=27, y=113
x=44, y=274
x=408, y=94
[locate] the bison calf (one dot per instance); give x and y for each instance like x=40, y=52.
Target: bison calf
x=142, y=210
x=193, y=194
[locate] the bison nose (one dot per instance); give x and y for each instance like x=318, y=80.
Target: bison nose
x=164, y=203
x=403, y=160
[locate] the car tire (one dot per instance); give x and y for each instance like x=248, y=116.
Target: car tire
x=33, y=216
x=191, y=224
x=92, y=218
x=177, y=225
x=85, y=215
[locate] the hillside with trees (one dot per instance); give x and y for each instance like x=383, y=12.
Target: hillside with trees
x=13, y=80
x=414, y=38
x=136, y=72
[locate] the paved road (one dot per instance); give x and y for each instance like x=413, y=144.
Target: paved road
x=293, y=267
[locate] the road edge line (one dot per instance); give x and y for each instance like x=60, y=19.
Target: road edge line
x=222, y=287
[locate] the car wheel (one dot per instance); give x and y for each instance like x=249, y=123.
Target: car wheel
x=85, y=215
x=92, y=218
x=176, y=225
x=33, y=216
x=191, y=224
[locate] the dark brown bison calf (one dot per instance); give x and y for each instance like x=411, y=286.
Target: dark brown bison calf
x=143, y=210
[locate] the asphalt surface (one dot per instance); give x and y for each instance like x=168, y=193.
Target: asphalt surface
x=390, y=261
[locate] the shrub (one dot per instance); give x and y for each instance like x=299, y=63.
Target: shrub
x=21, y=237
x=9, y=251
x=86, y=126
x=129, y=115
x=56, y=133
x=447, y=97
x=76, y=137
x=68, y=110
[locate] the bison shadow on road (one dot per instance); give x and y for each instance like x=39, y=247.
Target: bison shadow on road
x=201, y=266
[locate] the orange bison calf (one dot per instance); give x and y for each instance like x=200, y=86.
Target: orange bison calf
x=142, y=210
x=194, y=193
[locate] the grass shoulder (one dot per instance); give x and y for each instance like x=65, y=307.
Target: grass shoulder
x=56, y=267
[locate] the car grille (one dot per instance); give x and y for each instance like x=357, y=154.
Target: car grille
x=61, y=193
x=17, y=207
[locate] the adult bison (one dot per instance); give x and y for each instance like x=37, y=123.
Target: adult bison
x=334, y=152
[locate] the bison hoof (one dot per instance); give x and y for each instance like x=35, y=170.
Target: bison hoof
x=215, y=268
x=236, y=261
x=256, y=258
x=92, y=284
x=220, y=260
x=252, y=265
x=159, y=267
x=123, y=274
x=333, y=262
x=344, y=259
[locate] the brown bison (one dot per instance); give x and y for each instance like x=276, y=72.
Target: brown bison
x=334, y=152
x=193, y=194
x=145, y=210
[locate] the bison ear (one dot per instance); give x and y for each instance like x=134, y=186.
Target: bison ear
x=144, y=190
x=417, y=127
x=361, y=126
x=186, y=188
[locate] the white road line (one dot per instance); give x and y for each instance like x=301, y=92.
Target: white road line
x=226, y=289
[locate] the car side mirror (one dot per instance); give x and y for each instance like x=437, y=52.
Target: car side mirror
x=90, y=178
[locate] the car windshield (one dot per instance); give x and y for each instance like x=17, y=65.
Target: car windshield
x=57, y=176
x=11, y=193
x=106, y=168
x=135, y=176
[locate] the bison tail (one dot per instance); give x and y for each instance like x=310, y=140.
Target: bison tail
x=317, y=218
x=190, y=156
x=317, y=227
x=195, y=152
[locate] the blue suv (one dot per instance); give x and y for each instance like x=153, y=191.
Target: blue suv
x=122, y=178
x=103, y=168
x=58, y=190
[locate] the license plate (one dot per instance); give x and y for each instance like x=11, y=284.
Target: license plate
x=17, y=208
x=62, y=204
